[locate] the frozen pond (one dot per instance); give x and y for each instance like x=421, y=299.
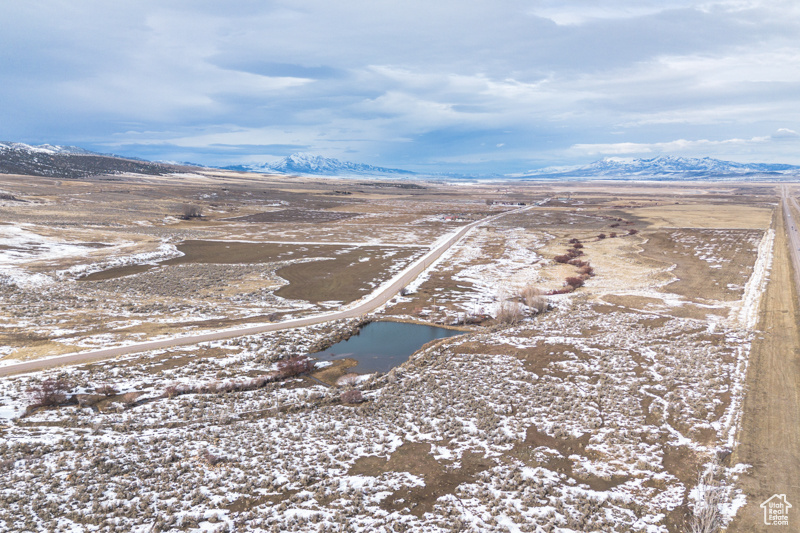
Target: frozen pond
x=382, y=346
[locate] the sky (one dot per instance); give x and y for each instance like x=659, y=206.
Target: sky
x=442, y=86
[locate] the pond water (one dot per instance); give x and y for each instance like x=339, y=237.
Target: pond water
x=382, y=346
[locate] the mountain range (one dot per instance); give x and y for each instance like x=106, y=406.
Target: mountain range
x=665, y=168
x=73, y=162
x=323, y=166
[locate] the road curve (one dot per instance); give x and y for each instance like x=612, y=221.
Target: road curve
x=371, y=303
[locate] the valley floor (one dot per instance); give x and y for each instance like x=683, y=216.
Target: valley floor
x=599, y=414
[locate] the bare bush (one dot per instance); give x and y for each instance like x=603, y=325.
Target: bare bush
x=612, y=234
x=107, y=390
x=191, y=211
x=601, y=236
x=509, y=312
x=49, y=392
x=707, y=517
x=348, y=380
x=574, y=281
x=566, y=290
x=533, y=297
x=295, y=365
x=586, y=270
x=574, y=241
x=172, y=390
x=577, y=245
x=538, y=305
x=351, y=396
x=633, y=231
x=561, y=258
x=209, y=458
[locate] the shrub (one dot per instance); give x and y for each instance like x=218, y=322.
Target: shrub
x=601, y=236
x=633, y=231
x=176, y=389
x=532, y=296
x=565, y=290
x=351, y=396
x=295, y=365
x=561, y=258
x=574, y=281
x=49, y=392
x=537, y=304
x=612, y=234
x=348, y=380
x=209, y=458
x=574, y=241
x=572, y=252
x=586, y=270
x=577, y=246
x=614, y=225
x=509, y=312
x=191, y=211
x=577, y=262
x=107, y=390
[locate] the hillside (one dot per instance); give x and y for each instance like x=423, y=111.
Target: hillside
x=71, y=162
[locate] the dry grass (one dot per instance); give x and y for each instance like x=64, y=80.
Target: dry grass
x=732, y=216
x=37, y=349
x=346, y=277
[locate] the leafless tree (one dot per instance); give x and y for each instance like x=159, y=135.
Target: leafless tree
x=49, y=392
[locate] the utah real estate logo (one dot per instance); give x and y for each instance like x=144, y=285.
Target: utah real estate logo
x=776, y=510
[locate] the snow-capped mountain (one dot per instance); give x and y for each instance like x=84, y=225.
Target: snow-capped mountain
x=317, y=165
x=666, y=167
x=42, y=148
x=71, y=162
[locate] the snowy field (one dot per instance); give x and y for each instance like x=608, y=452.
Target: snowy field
x=591, y=417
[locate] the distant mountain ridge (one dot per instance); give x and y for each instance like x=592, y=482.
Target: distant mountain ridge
x=665, y=167
x=72, y=162
x=301, y=163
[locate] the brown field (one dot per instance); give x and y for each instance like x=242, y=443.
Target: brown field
x=701, y=215
x=345, y=278
x=296, y=215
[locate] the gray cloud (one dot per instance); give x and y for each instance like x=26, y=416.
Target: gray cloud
x=396, y=83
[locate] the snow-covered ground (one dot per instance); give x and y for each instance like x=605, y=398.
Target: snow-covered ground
x=587, y=418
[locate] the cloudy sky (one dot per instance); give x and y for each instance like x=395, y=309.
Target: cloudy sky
x=464, y=86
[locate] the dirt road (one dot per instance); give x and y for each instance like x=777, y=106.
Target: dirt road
x=769, y=438
x=360, y=308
